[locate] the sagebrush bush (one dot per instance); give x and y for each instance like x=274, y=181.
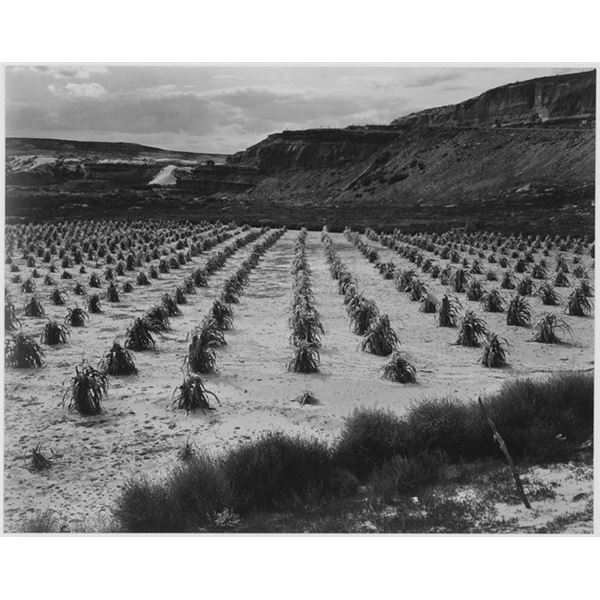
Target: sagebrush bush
x=277, y=471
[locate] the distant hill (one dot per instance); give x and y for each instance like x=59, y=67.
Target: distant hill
x=115, y=150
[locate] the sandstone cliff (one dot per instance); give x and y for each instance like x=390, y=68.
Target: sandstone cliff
x=558, y=101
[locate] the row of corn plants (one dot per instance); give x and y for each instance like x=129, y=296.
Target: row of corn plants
x=304, y=321
x=209, y=335
x=379, y=337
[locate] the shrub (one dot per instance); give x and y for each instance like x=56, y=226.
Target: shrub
x=277, y=471
x=118, y=361
x=380, y=339
x=54, y=333
x=369, y=438
x=495, y=350
x=306, y=359
x=399, y=369
x=21, y=351
x=519, y=312
x=545, y=329
x=192, y=394
x=34, y=308
x=191, y=497
x=578, y=304
x=139, y=335
x=87, y=390
x=472, y=329
x=448, y=311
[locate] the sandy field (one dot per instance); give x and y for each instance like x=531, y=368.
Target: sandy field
x=138, y=432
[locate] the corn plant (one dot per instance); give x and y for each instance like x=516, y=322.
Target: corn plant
x=34, y=308
x=546, y=327
x=495, y=351
x=475, y=291
x=472, y=330
x=561, y=280
x=362, y=312
x=222, y=314
x=142, y=279
x=306, y=358
x=169, y=304
x=11, y=321
x=158, y=318
x=139, y=335
x=54, y=333
x=117, y=361
x=380, y=339
x=578, y=304
x=448, y=311
x=492, y=301
x=192, y=394
x=548, y=294
x=76, y=317
x=94, y=304
x=508, y=281
x=519, y=312
x=399, y=369
x=86, y=391
x=28, y=286
x=525, y=286
x=21, y=351
x=429, y=304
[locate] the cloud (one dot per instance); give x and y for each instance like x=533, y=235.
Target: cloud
x=79, y=90
x=69, y=71
x=430, y=80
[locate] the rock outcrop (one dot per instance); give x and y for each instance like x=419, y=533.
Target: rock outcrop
x=557, y=101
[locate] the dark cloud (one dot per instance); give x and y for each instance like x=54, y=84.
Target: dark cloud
x=434, y=79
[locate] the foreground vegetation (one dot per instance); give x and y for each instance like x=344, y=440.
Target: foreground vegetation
x=386, y=457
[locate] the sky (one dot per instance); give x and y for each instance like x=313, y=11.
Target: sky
x=225, y=108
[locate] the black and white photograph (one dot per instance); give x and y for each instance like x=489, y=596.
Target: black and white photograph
x=299, y=298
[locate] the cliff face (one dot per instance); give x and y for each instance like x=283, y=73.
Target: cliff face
x=559, y=101
x=315, y=148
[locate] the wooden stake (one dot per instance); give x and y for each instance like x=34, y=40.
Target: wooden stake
x=498, y=439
